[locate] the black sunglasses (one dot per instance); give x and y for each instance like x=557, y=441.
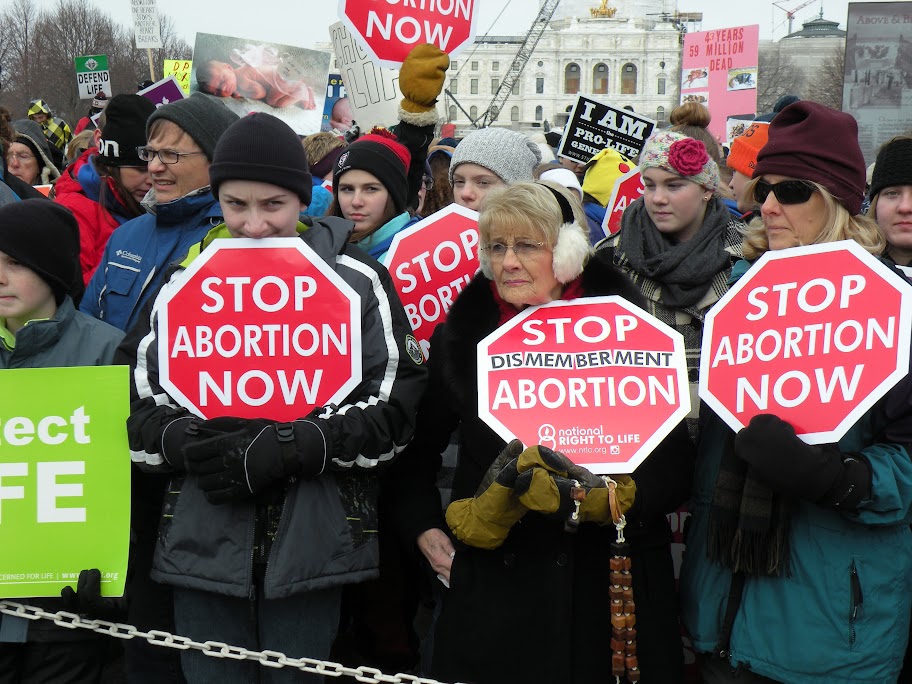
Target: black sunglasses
x=786, y=192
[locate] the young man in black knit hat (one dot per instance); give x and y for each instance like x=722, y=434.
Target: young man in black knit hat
x=272, y=578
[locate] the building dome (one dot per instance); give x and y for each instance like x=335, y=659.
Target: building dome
x=818, y=28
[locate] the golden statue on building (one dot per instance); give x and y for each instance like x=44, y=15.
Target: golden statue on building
x=603, y=11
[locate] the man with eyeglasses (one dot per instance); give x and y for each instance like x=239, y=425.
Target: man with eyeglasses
x=182, y=137
x=181, y=141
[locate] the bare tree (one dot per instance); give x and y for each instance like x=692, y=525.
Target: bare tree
x=777, y=75
x=827, y=84
x=40, y=43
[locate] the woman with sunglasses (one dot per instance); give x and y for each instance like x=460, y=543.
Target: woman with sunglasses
x=679, y=242
x=891, y=199
x=798, y=565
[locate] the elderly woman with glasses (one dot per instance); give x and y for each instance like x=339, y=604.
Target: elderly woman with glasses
x=798, y=565
x=515, y=577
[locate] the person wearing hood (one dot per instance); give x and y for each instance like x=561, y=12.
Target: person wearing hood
x=105, y=185
x=182, y=137
x=602, y=172
x=487, y=159
x=12, y=189
x=56, y=130
x=294, y=503
x=29, y=157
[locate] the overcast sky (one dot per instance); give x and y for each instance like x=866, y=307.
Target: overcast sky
x=304, y=22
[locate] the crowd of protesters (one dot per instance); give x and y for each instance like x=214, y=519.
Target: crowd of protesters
x=395, y=528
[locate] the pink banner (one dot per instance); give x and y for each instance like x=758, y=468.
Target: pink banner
x=720, y=71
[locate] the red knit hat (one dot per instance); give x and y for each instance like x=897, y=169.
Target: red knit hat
x=744, y=148
x=812, y=142
x=379, y=153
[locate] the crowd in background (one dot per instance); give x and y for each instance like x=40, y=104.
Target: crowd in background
x=397, y=529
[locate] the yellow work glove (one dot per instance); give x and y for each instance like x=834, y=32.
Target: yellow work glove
x=421, y=78
x=485, y=520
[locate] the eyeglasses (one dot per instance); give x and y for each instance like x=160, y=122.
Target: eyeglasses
x=427, y=182
x=522, y=249
x=786, y=192
x=147, y=154
x=23, y=157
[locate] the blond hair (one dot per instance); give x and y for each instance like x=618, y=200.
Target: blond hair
x=318, y=145
x=839, y=224
x=528, y=205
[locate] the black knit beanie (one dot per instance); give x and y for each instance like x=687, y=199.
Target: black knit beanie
x=893, y=165
x=44, y=236
x=124, y=130
x=260, y=147
x=382, y=155
x=201, y=117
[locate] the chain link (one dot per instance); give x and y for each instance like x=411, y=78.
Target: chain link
x=213, y=649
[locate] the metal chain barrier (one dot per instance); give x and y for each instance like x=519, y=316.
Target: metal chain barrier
x=214, y=649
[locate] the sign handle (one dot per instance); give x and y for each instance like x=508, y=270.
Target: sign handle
x=151, y=68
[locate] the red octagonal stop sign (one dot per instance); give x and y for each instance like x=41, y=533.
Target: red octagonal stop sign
x=598, y=379
x=259, y=329
x=431, y=262
x=627, y=190
x=389, y=29
x=815, y=335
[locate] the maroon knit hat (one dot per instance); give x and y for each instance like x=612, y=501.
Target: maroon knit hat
x=812, y=142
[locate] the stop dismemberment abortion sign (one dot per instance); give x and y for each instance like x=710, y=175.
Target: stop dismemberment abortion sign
x=597, y=378
x=64, y=478
x=815, y=335
x=259, y=329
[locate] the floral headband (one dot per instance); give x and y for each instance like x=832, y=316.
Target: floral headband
x=686, y=157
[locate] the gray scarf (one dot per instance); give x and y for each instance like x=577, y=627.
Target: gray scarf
x=686, y=269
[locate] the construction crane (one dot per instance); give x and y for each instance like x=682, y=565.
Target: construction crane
x=791, y=13
x=489, y=116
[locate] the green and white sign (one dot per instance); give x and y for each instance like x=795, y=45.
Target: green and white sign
x=92, y=76
x=64, y=478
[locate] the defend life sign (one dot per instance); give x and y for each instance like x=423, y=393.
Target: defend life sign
x=259, y=329
x=431, y=262
x=815, y=335
x=597, y=378
x=145, y=24
x=594, y=125
x=64, y=478
x=389, y=29
x=92, y=76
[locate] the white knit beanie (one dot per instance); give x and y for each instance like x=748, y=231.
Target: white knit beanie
x=510, y=155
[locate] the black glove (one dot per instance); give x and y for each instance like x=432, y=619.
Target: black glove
x=87, y=599
x=237, y=457
x=167, y=433
x=823, y=474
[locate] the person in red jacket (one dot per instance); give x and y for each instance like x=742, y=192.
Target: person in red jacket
x=105, y=185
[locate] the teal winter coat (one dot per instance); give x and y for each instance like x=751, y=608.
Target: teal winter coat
x=842, y=615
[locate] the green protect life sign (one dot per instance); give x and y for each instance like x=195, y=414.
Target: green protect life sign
x=64, y=478
x=92, y=76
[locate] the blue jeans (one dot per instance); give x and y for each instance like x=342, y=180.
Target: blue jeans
x=298, y=626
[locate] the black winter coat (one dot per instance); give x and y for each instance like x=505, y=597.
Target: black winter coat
x=536, y=609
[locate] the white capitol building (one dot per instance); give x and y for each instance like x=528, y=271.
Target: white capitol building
x=625, y=52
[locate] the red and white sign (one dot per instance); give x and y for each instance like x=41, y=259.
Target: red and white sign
x=431, y=262
x=389, y=29
x=814, y=335
x=259, y=329
x=597, y=379
x=627, y=190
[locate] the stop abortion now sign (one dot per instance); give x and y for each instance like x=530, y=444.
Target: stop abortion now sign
x=431, y=262
x=389, y=29
x=815, y=335
x=597, y=379
x=259, y=329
